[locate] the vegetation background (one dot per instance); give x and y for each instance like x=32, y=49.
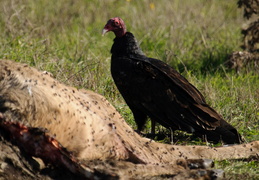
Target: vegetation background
x=195, y=37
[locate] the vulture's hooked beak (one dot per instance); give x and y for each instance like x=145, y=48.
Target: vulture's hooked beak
x=104, y=31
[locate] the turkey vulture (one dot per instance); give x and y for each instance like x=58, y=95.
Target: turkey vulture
x=151, y=88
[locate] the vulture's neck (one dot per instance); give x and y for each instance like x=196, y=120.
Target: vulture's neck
x=126, y=46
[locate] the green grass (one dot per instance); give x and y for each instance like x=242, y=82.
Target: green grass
x=239, y=169
x=195, y=37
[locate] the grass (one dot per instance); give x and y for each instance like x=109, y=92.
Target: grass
x=195, y=37
x=238, y=169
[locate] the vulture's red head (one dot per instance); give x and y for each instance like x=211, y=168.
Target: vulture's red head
x=115, y=25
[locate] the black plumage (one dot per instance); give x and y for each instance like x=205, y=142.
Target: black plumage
x=152, y=88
